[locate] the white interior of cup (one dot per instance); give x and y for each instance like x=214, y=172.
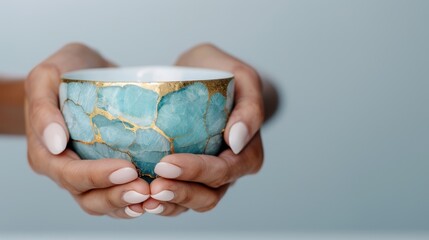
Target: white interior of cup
x=147, y=74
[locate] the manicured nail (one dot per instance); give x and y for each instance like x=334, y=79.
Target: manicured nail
x=156, y=210
x=55, y=138
x=134, y=197
x=238, y=137
x=123, y=175
x=131, y=213
x=165, y=196
x=167, y=170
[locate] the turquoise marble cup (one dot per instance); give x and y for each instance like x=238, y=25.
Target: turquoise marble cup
x=142, y=114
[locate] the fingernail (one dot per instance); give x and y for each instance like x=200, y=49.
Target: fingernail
x=165, y=196
x=131, y=213
x=55, y=138
x=156, y=210
x=238, y=137
x=167, y=170
x=134, y=197
x=123, y=175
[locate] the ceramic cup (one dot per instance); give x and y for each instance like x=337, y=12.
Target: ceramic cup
x=145, y=113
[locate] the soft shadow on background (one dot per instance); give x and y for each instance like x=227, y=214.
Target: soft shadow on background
x=349, y=153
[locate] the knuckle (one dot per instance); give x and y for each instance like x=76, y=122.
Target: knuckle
x=43, y=68
x=37, y=108
x=201, y=169
x=224, y=175
x=88, y=55
x=32, y=162
x=211, y=203
x=255, y=157
x=186, y=198
x=257, y=166
x=63, y=183
x=204, y=46
x=255, y=106
x=197, y=50
x=110, y=204
x=76, y=46
x=89, y=211
x=65, y=179
x=169, y=211
x=247, y=72
x=91, y=180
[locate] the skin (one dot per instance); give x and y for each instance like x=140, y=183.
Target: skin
x=203, y=179
x=11, y=106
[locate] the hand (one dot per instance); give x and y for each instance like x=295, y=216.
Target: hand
x=103, y=187
x=198, y=182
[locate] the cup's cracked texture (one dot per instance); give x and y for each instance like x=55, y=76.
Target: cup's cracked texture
x=143, y=122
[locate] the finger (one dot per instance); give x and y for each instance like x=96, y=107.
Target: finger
x=43, y=116
x=211, y=170
x=187, y=194
x=74, y=56
x=128, y=212
x=154, y=206
x=248, y=113
x=176, y=211
x=76, y=175
x=103, y=201
x=42, y=86
x=79, y=176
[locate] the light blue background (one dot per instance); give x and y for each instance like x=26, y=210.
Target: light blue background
x=348, y=150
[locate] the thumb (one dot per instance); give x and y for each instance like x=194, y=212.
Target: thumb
x=248, y=114
x=43, y=115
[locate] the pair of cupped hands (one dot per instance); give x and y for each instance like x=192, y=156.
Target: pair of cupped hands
x=112, y=186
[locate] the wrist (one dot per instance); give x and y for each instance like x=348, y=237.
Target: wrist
x=12, y=106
